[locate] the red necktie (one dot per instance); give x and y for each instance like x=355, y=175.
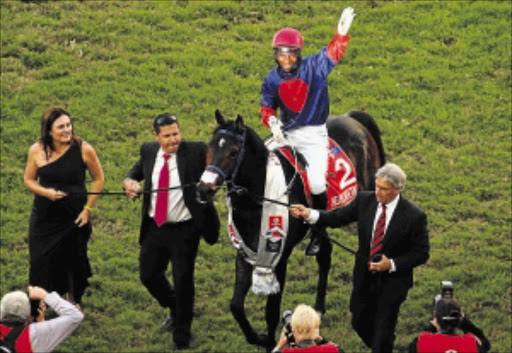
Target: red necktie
x=378, y=236
x=162, y=195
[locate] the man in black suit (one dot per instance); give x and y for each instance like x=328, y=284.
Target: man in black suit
x=172, y=220
x=383, y=271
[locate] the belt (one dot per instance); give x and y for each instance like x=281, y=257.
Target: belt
x=176, y=224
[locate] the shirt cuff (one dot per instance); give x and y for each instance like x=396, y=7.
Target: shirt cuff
x=313, y=216
x=393, y=267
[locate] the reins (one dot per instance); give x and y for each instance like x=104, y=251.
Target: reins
x=237, y=189
x=124, y=192
x=262, y=198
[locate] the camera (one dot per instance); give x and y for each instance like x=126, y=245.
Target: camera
x=377, y=257
x=446, y=293
x=447, y=289
x=287, y=318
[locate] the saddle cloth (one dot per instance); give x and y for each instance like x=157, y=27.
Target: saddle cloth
x=341, y=178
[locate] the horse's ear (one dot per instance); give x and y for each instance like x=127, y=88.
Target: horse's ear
x=219, y=117
x=239, y=122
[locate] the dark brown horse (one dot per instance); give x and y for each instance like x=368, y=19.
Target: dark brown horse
x=238, y=157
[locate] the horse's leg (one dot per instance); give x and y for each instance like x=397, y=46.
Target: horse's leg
x=242, y=284
x=323, y=259
x=273, y=308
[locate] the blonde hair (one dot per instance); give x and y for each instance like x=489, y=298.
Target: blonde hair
x=14, y=306
x=306, y=321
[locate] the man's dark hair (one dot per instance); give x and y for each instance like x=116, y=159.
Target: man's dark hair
x=164, y=119
x=448, y=314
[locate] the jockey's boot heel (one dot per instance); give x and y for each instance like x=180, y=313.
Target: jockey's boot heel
x=319, y=203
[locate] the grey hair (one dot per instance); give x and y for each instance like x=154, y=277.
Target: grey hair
x=14, y=306
x=393, y=174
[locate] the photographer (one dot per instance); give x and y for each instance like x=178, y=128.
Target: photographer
x=18, y=334
x=441, y=336
x=301, y=333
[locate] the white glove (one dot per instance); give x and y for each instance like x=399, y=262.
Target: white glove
x=346, y=20
x=275, y=126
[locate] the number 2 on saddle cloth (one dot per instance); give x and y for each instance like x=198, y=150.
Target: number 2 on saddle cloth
x=341, y=176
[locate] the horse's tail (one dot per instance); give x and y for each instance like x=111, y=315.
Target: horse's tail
x=370, y=124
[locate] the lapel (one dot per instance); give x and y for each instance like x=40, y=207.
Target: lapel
x=370, y=217
x=395, y=222
x=151, y=158
x=181, y=162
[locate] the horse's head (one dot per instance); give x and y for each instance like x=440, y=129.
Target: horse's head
x=225, y=153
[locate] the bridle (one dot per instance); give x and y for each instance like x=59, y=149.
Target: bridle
x=240, y=189
x=239, y=159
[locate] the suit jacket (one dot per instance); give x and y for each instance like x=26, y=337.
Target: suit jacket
x=405, y=241
x=191, y=160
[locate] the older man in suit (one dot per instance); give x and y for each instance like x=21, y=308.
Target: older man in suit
x=393, y=239
x=172, y=220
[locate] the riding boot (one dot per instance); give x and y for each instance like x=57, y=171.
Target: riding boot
x=319, y=203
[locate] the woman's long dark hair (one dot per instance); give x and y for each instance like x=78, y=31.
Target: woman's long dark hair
x=47, y=121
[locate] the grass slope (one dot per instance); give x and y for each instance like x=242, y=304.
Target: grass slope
x=435, y=75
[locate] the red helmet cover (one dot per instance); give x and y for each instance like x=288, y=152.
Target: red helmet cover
x=288, y=37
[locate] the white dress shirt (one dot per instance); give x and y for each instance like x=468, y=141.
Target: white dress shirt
x=390, y=209
x=177, y=211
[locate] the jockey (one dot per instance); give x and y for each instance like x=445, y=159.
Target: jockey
x=298, y=87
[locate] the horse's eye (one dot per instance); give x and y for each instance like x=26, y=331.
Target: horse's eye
x=233, y=154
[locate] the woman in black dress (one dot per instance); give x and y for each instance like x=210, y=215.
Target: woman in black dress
x=60, y=224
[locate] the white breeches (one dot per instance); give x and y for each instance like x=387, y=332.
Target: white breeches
x=312, y=142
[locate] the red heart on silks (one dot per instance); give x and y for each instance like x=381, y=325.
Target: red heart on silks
x=294, y=93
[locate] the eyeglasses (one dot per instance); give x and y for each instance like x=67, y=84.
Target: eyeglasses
x=165, y=119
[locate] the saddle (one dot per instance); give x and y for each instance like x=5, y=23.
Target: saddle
x=341, y=177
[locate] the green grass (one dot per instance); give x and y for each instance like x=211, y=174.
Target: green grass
x=436, y=75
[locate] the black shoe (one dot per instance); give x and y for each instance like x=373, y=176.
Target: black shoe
x=313, y=247
x=168, y=325
x=180, y=346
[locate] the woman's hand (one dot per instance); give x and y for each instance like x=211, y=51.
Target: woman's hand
x=83, y=217
x=54, y=195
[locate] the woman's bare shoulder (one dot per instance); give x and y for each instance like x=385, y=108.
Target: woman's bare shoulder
x=36, y=148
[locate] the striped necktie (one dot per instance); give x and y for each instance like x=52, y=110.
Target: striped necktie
x=378, y=236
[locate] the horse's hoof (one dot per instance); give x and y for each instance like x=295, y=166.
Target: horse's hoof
x=256, y=339
x=261, y=341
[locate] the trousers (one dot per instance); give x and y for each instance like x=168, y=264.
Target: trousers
x=176, y=244
x=312, y=142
